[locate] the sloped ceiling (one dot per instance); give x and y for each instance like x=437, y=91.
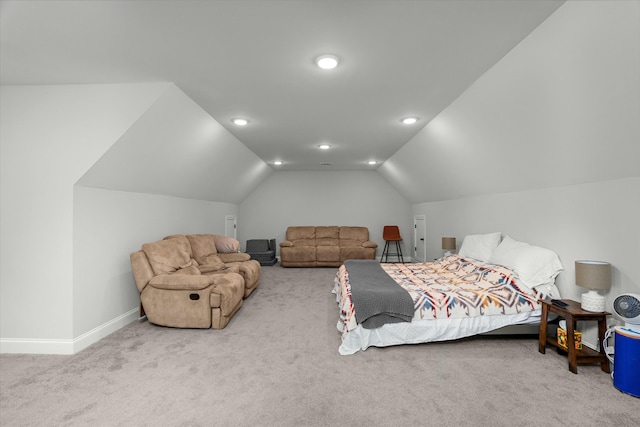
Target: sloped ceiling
x=560, y=109
x=175, y=148
x=254, y=59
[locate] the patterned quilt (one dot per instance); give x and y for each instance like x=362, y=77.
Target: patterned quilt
x=448, y=288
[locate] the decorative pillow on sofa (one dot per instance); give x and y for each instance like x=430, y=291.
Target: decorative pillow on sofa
x=167, y=256
x=479, y=246
x=226, y=245
x=534, y=265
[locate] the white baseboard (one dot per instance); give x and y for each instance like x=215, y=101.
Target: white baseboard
x=62, y=346
x=35, y=346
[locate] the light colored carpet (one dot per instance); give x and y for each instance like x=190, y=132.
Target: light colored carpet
x=277, y=364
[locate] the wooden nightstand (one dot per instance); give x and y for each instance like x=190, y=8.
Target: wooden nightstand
x=573, y=313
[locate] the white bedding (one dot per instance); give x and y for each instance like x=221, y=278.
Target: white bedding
x=422, y=331
x=356, y=337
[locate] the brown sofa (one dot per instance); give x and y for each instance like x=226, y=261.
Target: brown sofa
x=185, y=282
x=325, y=246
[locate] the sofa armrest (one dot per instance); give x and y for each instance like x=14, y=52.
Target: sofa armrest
x=227, y=292
x=286, y=244
x=369, y=244
x=142, y=271
x=181, y=282
x=234, y=257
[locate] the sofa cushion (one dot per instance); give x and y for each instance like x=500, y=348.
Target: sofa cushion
x=203, y=247
x=214, y=264
x=328, y=253
x=354, y=233
x=183, y=238
x=327, y=236
x=181, y=282
x=299, y=254
x=167, y=256
x=327, y=232
x=302, y=235
x=351, y=237
x=234, y=257
x=191, y=269
x=304, y=242
x=345, y=243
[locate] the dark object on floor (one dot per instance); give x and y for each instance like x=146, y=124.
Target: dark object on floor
x=262, y=250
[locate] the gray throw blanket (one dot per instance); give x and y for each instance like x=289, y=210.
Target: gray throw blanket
x=377, y=298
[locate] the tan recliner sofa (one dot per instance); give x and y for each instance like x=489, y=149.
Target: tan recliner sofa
x=325, y=246
x=185, y=282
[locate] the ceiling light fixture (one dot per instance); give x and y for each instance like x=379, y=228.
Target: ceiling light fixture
x=327, y=62
x=409, y=120
x=372, y=162
x=324, y=146
x=240, y=122
x=277, y=163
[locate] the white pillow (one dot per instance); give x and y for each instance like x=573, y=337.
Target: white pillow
x=479, y=246
x=533, y=264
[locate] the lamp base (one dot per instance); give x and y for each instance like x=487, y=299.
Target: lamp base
x=447, y=253
x=593, y=301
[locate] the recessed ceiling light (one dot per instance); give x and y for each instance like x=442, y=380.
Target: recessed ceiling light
x=372, y=162
x=327, y=62
x=240, y=122
x=324, y=146
x=409, y=120
x=277, y=163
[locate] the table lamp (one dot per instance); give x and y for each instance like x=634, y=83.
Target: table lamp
x=593, y=275
x=448, y=244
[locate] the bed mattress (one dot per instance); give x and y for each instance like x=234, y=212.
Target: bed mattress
x=453, y=298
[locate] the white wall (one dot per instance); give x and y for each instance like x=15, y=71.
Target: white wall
x=108, y=226
x=50, y=136
x=324, y=198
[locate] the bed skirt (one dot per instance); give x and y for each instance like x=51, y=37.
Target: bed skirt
x=423, y=331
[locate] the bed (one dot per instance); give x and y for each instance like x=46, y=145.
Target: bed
x=490, y=284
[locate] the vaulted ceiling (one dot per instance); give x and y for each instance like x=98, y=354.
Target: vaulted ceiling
x=255, y=60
